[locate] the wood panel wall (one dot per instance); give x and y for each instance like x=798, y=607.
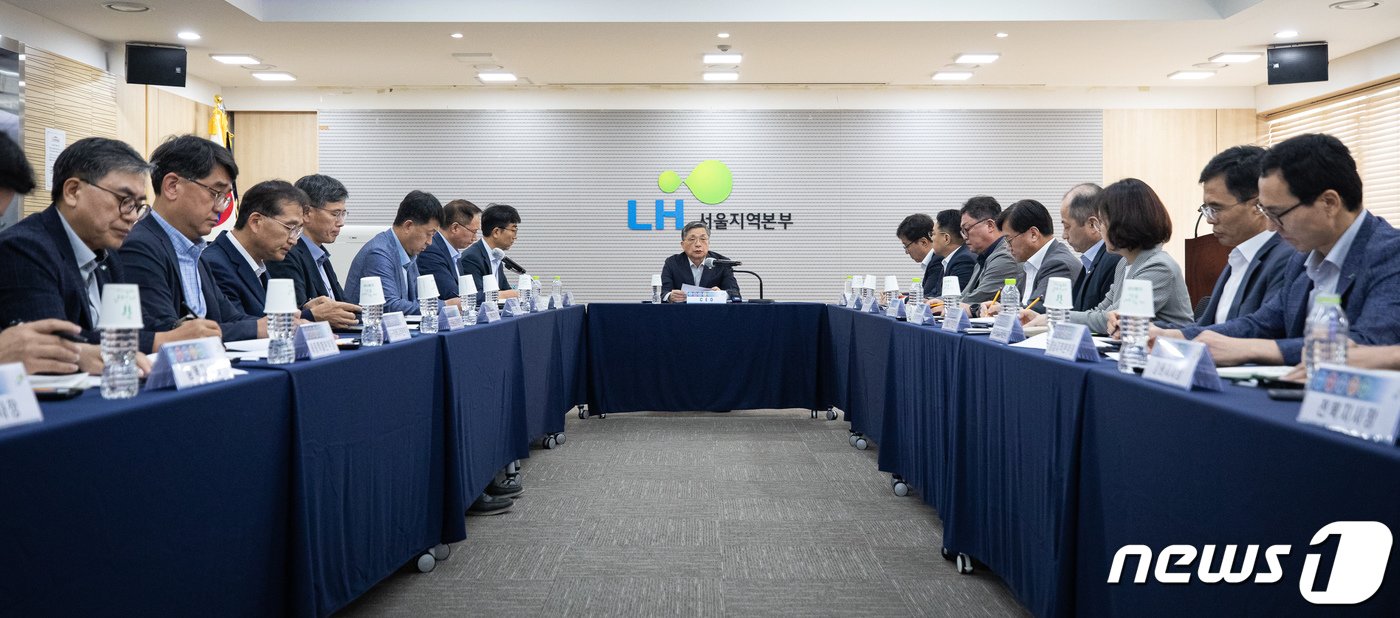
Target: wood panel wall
x=274, y=145
x=62, y=94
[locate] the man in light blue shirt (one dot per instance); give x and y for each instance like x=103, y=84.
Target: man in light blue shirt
x=391, y=254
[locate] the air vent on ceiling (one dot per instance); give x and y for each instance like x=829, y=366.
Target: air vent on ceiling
x=475, y=57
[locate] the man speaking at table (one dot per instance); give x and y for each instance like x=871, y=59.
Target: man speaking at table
x=500, y=224
x=688, y=267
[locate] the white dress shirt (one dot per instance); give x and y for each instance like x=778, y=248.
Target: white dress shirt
x=1032, y=267
x=87, y=267
x=1240, y=257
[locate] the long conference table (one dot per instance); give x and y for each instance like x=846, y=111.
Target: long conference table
x=294, y=489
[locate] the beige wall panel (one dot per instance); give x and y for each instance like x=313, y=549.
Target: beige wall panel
x=67, y=95
x=271, y=145
x=1234, y=127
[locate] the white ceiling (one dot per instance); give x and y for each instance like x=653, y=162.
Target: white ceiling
x=368, y=43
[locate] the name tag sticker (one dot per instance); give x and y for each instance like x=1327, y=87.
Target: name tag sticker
x=185, y=364
x=1362, y=403
x=1007, y=329
x=707, y=297
x=315, y=340
x=396, y=327
x=955, y=320
x=1182, y=364
x=18, y=406
x=1072, y=343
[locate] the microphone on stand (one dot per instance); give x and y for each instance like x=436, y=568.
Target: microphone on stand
x=510, y=264
x=712, y=262
x=717, y=260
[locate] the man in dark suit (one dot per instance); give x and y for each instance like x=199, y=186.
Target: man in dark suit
x=1030, y=234
x=308, y=264
x=442, y=257
x=1311, y=192
x=193, y=179
x=939, y=250
x=688, y=267
x=1258, y=259
x=1078, y=224
x=500, y=223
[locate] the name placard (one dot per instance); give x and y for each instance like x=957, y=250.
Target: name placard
x=18, y=406
x=955, y=320
x=185, y=364
x=396, y=327
x=1182, y=364
x=1362, y=403
x=895, y=310
x=489, y=314
x=568, y=299
x=556, y=301
x=450, y=318
x=1072, y=343
x=707, y=297
x=847, y=299
x=512, y=307
x=315, y=340
x=916, y=313
x=1007, y=329
x=873, y=306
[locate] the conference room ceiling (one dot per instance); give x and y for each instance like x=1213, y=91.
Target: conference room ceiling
x=1071, y=43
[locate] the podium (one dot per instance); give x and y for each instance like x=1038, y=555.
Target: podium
x=1205, y=260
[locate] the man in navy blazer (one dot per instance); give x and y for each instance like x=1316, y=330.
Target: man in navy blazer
x=939, y=251
x=1311, y=192
x=500, y=224
x=392, y=254
x=1079, y=226
x=462, y=222
x=688, y=268
x=193, y=178
x=308, y=264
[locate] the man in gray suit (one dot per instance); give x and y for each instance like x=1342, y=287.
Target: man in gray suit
x=1030, y=236
x=995, y=263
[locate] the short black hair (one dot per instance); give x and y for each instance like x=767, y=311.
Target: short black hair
x=1135, y=215
x=15, y=172
x=950, y=223
x=91, y=158
x=419, y=207
x=498, y=216
x=322, y=189
x=914, y=227
x=458, y=211
x=1240, y=167
x=980, y=207
x=190, y=157
x=1024, y=215
x=1313, y=163
x=266, y=199
x=685, y=231
x=1083, y=201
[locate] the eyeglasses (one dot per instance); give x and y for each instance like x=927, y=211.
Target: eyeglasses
x=1276, y=219
x=293, y=231
x=128, y=203
x=338, y=214
x=1213, y=212
x=695, y=240
x=967, y=228
x=221, y=199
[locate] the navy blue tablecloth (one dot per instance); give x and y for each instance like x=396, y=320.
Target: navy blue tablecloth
x=1162, y=466
x=858, y=364
x=485, y=398
x=678, y=357
x=167, y=504
x=554, y=368
x=922, y=389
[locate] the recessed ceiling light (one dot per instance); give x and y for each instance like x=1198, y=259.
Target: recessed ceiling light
x=723, y=35
x=235, y=59
x=1002, y=35
x=188, y=36
x=1286, y=34
x=721, y=76
x=977, y=58
x=274, y=76
x=127, y=7
x=456, y=35
x=21, y=83
x=1191, y=75
x=497, y=77
x=1234, y=57
x=723, y=58
x=952, y=76
x=1355, y=5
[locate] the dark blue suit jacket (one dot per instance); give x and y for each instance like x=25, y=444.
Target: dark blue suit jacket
x=1369, y=287
x=676, y=272
x=149, y=261
x=960, y=266
x=301, y=269
x=437, y=261
x=1262, y=277
x=40, y=279
x=236, y=278
x=476, y=263
x=1091, y=287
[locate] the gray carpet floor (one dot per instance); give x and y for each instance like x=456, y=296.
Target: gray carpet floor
x=752, y=513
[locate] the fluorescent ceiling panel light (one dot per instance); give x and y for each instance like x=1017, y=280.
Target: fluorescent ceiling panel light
x=1286, y=34
x=1002, y=35
x=496, y=77
x=977, y=58
x=188, y=36
x=721, y=76
x=127, y=7
x=1234, y=57
x=1191, y=75
x=456, y=35
x=952, y=76
x=723, y=35
x=274, y=76
x=235, y=59
x=723, y=58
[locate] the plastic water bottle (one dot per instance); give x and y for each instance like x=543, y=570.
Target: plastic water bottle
x=1010, y=297
x=469, y=312
x=1325, y=337
x=558, y=289
x=492, y=298
x=1133, y=352
x=119, y=372
x=1056, y=317
x=541, y=303
x=428, y=308
x=916, y=291
x=846, y=291
x=656, y=294
x=281, y=328
x=373, y=318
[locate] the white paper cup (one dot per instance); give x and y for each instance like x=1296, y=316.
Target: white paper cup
x=281, y=297
x=121, y=306
x=371, y=291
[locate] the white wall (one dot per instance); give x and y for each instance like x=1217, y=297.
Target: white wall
x=1368, y=65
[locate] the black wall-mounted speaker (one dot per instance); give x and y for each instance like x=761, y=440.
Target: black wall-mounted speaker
x=158, y=65
x=1298, y=63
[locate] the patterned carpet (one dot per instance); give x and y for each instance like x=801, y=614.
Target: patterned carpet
x=741, y=514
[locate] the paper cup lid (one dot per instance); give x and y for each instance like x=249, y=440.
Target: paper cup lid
x=524, y=282
x=371, y=292
x=951, y=286
x=121, y=306
x=1137, y=299
x=281, y=297
x=427, y=286
x=656, y=279
x=869, y=282
x=1059, y=294
x=466, y=285
x=490, y=284
x=891, y=283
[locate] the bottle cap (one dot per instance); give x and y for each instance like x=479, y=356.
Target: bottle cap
x=1009, y=281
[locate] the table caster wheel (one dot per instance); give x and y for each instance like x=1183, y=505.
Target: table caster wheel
x=831, y=415
x=964, y=564
x=559, y=439
x=947, y=555
x=426, y=563
x=441, y=552
x=901, y=489
x=852, y=439
x=862, y=444
x=602, y=416
x=581, y=413
x=549, y=442
x=814, y=414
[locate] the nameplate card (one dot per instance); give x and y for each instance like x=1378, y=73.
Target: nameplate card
x=1072, y=343
x=18, y=406
x=1007, y=329
x=568, y=299
x=1183, y=364
x=916, y=313
x=538, y=303
x=184, y=364
x=895, y=310
x=874, y=306
x=1362, y=403
x=396, y=327
x=450, y=318
x=512, y=307
x=489, y=313
x=955, y=319
x=315, y=340
x=707, y=297
x=556, y=301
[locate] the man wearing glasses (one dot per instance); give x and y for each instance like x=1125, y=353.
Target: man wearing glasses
x=269, y=224
x=688, y=267
x=1259, y=258
x=500, y=224
x=308, y=264
x=1310, y=191
x=459, y=230
x=995, y=264
x=193, y=179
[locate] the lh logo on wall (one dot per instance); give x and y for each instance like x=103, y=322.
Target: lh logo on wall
x=710, y=182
